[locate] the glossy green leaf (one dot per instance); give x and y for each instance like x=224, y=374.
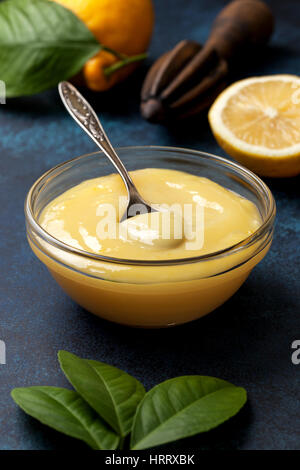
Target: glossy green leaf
x=65, y=411
x=183, y=407
x=112, y=393
x=41, y=43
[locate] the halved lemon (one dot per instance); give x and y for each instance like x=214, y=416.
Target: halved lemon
x=257, y=122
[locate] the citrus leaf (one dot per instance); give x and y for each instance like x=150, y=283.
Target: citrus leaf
x=112, y=393
x=41, y=43
x=183, y=407
x=65, y=411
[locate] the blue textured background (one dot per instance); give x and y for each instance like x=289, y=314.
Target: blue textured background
x=247, y=341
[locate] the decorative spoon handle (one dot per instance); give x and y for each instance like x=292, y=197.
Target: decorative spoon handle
x=82, y=112
x=86, y=117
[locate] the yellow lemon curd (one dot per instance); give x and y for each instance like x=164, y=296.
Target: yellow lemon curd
x=195, y=217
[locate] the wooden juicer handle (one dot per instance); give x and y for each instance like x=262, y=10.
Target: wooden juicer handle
x=241, y=24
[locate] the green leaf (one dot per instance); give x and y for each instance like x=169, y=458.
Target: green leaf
x=183, y=407
x=65, y=411
x=41, y=43
x=112, y=393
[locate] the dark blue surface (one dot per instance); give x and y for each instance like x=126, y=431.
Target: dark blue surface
x=247, y=341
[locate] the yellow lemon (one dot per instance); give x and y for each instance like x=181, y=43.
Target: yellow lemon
x=257, y=122
x=124, y=26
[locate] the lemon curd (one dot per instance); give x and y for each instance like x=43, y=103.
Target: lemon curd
x=224, y=218
x=204, y=218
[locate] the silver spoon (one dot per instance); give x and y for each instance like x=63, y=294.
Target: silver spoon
x=82, y=112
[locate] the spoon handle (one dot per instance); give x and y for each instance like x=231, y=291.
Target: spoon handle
x=86, y=117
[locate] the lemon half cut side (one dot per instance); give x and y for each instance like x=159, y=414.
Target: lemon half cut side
x=257, y=122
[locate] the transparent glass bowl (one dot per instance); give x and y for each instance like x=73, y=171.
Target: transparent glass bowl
x=150, y=293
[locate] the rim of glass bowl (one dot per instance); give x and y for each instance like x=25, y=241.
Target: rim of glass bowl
x=254, y=180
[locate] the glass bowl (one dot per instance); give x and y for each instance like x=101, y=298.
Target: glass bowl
x=150, y=294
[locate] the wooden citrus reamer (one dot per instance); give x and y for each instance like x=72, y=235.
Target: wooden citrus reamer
x=186, y=80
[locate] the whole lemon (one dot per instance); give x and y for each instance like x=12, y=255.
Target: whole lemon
x=125, y=26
